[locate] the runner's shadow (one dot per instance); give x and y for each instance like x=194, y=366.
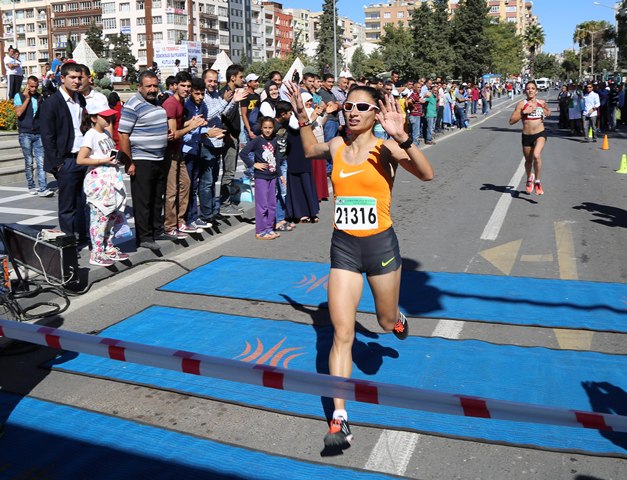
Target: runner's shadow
x=608, y=398
x=417, y=297
x=606, y=215
x=367, y=356
x=506, y=189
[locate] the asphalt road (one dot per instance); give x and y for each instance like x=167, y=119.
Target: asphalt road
x=470, y=218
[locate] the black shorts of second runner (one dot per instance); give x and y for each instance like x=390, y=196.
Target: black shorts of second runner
x=373, y=255
x=530, y=140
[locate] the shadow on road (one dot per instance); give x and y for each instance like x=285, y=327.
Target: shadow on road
x=608, y=398
x=605, y=214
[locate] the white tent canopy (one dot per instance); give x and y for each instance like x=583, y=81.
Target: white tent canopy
x=84, y=54
x=221, y=64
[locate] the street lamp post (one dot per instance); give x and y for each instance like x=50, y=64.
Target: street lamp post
x=617, y=11
x=334, y=41
x=591, y=49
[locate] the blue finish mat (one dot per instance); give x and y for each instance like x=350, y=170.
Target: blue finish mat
x=568, y=379
x=47, y=440
x=487, y=298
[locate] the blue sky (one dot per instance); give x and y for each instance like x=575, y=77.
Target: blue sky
x=558, y=17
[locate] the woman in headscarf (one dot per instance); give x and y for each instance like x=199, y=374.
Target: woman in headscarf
x=318, y=166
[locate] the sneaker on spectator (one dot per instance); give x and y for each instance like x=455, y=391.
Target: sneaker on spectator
x=189, y=228
x=174, y=234
x=100, y=260
x=201, y=224
x=46, y=193
x=32, y=191
x=116, y=255
x=229, y=211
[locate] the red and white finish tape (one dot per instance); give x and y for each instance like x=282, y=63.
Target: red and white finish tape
x=309, y=382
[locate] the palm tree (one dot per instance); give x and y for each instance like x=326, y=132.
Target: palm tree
x=534, y=38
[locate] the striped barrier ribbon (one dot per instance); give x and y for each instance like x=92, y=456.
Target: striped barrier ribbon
x=310, y=382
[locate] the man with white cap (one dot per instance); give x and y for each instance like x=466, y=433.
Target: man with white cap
x=250, y=107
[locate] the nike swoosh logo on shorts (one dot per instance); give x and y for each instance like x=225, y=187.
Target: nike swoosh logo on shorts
x=344, y=175
x=385, y=264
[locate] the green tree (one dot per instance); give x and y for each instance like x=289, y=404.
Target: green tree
x=297, y=48
x=395, y=43
x=94, y=39
x=621, y=35
x=592, y=36
x=69, y=47
x=534, y=38
x=358, y=62
x=570, y=65
x=121, y=54
x=431, y=31
x=472, y=49
x=327, y=54
x=506, y=48
x=375, y=64
x=546, y=65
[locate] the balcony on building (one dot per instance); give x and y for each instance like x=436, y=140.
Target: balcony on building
x=72, y=9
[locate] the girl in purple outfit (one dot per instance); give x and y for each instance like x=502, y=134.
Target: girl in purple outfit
x=266, y=163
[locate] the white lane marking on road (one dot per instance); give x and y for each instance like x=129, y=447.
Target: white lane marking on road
x=127, y=281
x=394, y=449
x=25, y=211
x=392, y=452
x=13, y=189
x=13, y=198
x=493, y=227
x=39, y=220
x=448, y=329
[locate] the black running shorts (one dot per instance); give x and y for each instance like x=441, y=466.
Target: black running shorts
x=530, y=140
x=373, y=255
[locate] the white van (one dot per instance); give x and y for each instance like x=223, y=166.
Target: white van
x=543, y=84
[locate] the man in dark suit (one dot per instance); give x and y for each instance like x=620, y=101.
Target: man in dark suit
x=61, y=116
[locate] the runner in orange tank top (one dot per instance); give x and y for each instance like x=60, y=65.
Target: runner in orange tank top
x=364, y=168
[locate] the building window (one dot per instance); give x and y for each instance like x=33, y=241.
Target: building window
x=58, y=22
x=157, y=20
x=108, y=8
x=73, y=22
x=71, y=7
x=125, y=7
x=141, y=20
x=494, y=9
x=85, y=5
x=400, y=15
x=109, y=23
x=387, y=15
x=140, y=5
x=158, y=36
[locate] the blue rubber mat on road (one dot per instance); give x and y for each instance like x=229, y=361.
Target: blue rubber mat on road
x=568, y=379
x=47, y=440
x=487, y=298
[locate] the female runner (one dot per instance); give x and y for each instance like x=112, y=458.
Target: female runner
x=532, y=112
x=363, y=241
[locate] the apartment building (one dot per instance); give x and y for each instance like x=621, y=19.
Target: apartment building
x=349, y=32
x=378, y=15
x=39, y=28
x=278, y=33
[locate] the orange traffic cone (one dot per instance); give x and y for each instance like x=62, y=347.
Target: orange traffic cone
x=606, y=145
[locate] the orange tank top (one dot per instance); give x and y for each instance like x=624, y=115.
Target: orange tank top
x=362, y=193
